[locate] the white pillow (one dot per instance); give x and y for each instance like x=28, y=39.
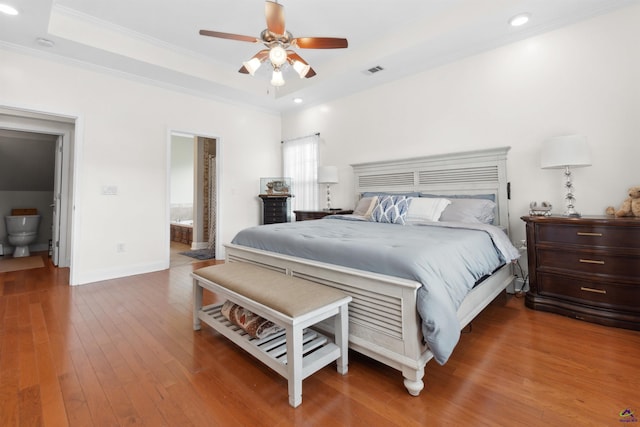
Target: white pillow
x=365, y=206
x=470, y=210
x=426, y=209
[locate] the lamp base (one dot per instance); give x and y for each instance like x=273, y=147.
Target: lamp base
x=569, y=198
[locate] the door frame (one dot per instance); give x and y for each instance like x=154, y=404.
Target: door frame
x=59, y=227
x=67, y=127
x=198, y=198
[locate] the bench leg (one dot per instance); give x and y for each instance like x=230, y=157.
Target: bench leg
x=197, y=304
x=294, y=364
x=341, y=329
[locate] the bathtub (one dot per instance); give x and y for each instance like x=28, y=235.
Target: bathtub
x=183, y=222
x=182, y=231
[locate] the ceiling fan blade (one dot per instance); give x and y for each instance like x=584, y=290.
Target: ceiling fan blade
x=320, y=43
x=262, y=55
x=274, y=13
x=310, y=74
x=243, y=70
x=229, y=36
x=292, y=56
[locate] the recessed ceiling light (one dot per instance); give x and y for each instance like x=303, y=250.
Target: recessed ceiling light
x=519, y=20
x=297, y=100
x=8, y=10
x=45, y=42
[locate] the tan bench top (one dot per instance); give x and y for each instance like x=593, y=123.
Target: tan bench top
x=288, y=295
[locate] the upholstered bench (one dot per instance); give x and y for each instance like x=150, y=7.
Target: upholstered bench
x=292, y=303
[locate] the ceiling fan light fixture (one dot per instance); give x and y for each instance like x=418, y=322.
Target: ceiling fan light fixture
x=252, y=65
x=276, y=40
x=277, y=55
x=277, y=79
x=301, y=68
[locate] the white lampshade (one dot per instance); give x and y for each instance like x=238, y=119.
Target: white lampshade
x=563, y=151
x=252, y=65
x=328, y=175
x=301, y=68
x=276, y=78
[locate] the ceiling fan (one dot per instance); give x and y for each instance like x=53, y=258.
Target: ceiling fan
x=278, y=42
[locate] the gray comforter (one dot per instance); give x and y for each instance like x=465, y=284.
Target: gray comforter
x=446, y=258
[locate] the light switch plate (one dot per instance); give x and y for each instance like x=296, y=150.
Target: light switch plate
x=109, y=190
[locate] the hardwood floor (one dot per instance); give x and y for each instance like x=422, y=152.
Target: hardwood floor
x=122, y=352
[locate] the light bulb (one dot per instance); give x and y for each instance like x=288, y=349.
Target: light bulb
x=301, y=68
x=252, y=65
x=277, y=56
x=276, y=78
x=8, y=10
x=519, y=20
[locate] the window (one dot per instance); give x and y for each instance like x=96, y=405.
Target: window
x=300, y=163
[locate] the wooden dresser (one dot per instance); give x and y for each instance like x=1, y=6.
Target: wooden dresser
x=275, y=209
x=587, y=268
x=309, y=215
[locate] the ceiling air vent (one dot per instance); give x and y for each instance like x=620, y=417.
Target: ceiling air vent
x=374, y=70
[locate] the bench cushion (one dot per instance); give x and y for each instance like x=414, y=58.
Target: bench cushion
x=288, y=295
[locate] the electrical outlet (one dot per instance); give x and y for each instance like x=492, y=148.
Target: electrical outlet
x=120, y=247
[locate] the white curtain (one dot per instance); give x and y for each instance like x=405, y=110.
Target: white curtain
x=300, y=163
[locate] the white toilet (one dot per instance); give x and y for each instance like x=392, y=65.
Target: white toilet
x=21, y=231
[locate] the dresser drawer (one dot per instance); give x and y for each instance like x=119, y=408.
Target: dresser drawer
x=589, y=235
x=275, y=207
x=275, y=210
x=601, y=294
x=597, y=262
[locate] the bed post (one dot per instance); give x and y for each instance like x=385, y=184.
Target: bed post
x=413, y=380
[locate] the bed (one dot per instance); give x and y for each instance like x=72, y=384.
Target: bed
x=384, y=320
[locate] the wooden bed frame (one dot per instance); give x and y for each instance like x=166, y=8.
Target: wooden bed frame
x=383, y=320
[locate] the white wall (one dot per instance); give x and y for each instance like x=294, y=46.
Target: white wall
x=123, y=141
x=182, y=167
x=582, y=79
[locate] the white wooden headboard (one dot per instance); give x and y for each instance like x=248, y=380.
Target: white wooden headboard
x=470, y=172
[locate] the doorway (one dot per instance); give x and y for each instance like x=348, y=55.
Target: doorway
x=54, y=203
x=193, y=195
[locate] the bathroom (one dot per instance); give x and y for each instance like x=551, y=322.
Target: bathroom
x=193, y=191
x=27, y=168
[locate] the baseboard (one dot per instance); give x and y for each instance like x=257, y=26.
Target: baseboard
x=83, y=278
x=199, y=245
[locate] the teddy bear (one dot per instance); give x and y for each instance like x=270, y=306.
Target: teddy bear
x=630, y=206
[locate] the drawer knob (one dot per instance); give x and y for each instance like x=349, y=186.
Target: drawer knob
x=597, y=291
x=580, y=233
x=592, y=261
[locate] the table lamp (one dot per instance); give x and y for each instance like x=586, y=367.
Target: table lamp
x=565, y=152
x=328, y=175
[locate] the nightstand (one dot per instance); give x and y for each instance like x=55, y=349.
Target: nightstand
x=587, y=268
x=309, y=215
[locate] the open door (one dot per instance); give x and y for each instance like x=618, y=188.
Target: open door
x=56, y=205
